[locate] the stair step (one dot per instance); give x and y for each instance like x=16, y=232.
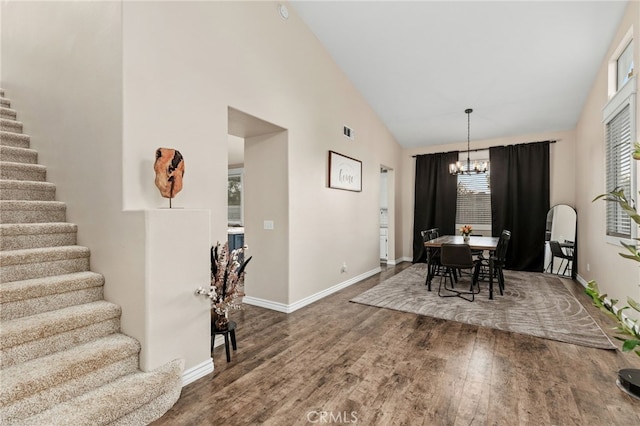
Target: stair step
x=19, y=140
x=27, y=190
x=21, y=171
x=24, y=211
x=18, y=155
x=5, y=102
x=11, y=125
x=31, y=297
x=134, y=399
x=42, y=383
x=31, y=337
x=18, y=265
x=8, y=113
x=18, y=236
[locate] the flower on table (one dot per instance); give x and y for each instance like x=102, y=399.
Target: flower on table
x=466, y=230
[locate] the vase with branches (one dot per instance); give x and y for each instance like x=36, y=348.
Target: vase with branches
x=227, y=283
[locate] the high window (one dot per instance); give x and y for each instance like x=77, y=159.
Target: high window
x=624, y=66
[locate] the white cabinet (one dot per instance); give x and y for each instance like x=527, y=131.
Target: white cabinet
x=384, y=244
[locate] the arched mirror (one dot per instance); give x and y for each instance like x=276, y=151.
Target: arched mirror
x=560, y=241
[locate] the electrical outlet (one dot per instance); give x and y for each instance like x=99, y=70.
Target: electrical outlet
x=588, y=267
x=344, y=267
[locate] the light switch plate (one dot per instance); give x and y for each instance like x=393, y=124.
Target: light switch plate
x=268, y=224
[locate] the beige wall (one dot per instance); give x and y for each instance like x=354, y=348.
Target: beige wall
x=62, y=68
x=177, y=93
x=267, y=199
x=562, y=167
x=176, y=260
x=616, y=276
x=101, y=85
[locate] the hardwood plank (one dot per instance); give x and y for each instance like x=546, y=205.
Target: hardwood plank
x=378, y=367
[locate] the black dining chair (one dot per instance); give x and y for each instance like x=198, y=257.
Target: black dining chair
x=556, y=251
x=457, y=257
x=499, y=257
x=434, y=264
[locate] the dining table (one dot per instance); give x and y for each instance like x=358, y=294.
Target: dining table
x=474, y=242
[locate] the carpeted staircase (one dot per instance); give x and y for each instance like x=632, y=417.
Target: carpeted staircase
x=63, y=358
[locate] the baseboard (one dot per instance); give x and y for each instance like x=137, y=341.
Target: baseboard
x=264, y=303
x=581, y=280
x=197, y=372
x=287, y=309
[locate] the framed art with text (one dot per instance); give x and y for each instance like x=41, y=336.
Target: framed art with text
x=344, y=172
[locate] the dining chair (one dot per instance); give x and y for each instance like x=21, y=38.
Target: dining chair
x=498, y=257
x=457, y=257
x=434, y=264
x=556, y=251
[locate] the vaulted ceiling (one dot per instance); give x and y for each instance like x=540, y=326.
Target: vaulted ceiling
x=523, y=66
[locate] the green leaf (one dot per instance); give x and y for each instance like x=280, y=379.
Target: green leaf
x=631, y=248
x=630, y=345
x=635, y=305
x=617, y=196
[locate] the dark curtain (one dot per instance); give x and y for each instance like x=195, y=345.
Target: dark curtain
x=520, y=201
x=435, y=198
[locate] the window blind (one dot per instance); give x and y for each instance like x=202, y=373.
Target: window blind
x=619, y=150
x=473, y=205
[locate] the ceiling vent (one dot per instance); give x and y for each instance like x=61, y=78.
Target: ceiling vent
x=348, y=133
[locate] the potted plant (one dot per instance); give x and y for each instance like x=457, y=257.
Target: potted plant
x=629, y=330
x=465, y=231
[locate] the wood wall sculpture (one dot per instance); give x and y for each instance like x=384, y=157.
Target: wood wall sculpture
x=169, y=167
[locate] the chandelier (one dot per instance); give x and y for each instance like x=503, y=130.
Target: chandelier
x=458, y=168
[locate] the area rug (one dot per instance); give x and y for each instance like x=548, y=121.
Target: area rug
x=533, y=303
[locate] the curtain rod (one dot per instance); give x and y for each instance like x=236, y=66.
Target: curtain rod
x=486, y=149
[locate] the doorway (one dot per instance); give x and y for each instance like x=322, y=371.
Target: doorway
x=264, y=218
x=386, y=216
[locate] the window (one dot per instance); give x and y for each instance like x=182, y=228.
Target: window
x=473, y=206
x=624, y=66
x=619, y=134
x=235, y=212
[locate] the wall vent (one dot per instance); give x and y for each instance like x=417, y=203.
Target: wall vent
x=348, y=132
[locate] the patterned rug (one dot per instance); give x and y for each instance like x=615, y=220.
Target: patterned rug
x=533, y=303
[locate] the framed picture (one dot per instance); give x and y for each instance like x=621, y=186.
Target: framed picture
x=344, y=172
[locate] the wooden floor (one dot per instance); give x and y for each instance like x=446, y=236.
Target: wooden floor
x=338, y=362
